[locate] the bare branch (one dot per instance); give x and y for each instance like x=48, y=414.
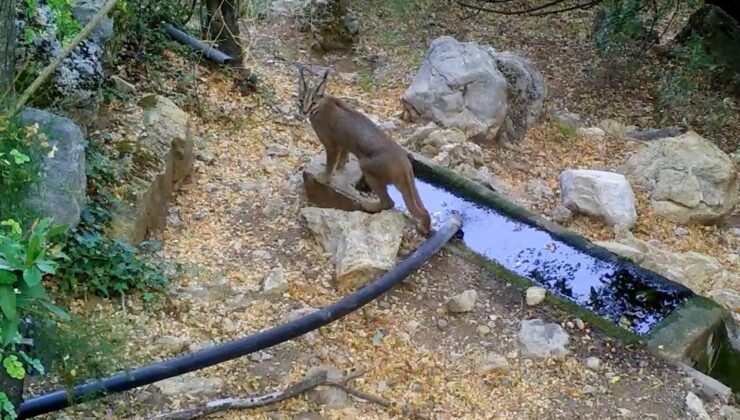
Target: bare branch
x=541, y=8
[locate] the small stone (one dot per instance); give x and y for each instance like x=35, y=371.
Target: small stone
x=562, y=214
x=190, y=386
x=205, y=156
x=593, y=363
x=594, y=133
x=201, y=345
x=246, y=186
x=626, y=413
x=412, y=326
x=643, y=364
x=588, y=389
x=696, y=406
x=417, y=387
x=483, y=330
x=542, y=340
x=535, y=295
x=492, y=362
x=275, y=282
x=734, y=232
x=170, y=344
x=382, y=386
x=680, y=231
x=463, y=302
x=260, y=356
x=729, y=412
x=122, y=85
x=579, y=323
x=329, y=396
x=261, y=254
x=442, y=324
x=210, y=187
x=308, y=415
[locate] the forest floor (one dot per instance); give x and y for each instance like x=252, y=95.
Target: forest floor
x=240, y=219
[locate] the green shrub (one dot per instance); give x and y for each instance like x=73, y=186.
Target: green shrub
x=98, y=263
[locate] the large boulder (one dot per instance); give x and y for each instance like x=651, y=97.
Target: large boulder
x=600, y=194
x=690, y=179
x=161, y=159
x=484, y=93
x=363, y=245
x=60, y=192
x=451, y=149
x=75, y=88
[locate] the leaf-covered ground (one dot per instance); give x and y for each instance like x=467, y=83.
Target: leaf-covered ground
x=240, y=219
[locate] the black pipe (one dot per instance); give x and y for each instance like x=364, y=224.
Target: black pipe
x=207, y=50
x=57, y=400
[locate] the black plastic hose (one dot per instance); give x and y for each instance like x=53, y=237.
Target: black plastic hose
x=207, y=50
x=57, y=400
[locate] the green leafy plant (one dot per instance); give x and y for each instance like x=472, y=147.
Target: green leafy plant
x=24, y=260
x=21, y=148
x=97, y=263
x=61, y=14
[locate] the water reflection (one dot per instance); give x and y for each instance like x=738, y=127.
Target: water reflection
x=610, y=290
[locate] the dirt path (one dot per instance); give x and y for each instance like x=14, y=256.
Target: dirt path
x=240, y=219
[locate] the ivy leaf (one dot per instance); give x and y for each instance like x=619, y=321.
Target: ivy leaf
x=14, y=367
x=35, y=363
x=18, y=157
x=7, y=301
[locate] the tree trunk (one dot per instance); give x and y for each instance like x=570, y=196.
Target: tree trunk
x=221, y=26
x=7, y=51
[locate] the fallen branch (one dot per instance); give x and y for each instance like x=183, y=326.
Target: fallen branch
x=51, y=67
x=313, y=381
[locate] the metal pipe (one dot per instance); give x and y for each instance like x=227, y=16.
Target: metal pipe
x=57, y=400
x=207, y=50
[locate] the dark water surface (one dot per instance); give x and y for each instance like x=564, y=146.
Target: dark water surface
x=613, y=291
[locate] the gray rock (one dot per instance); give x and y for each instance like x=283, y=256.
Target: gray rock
x=205, y=156
x=568, y=122
x=462, y=302
x=600, y=194
x=690, y=179
x=442, y=323
x=695, y=406
x=122, y=85
x=706, y=386
x=191, y=386
x=649, y=134
x=84, y=10
x=593, y=363
x=539, y=189
x=526, y=93
x=162, y=159
x=542, y=340
x=329, y=396
x=308, y=415
x=593, y=133
x=75, y=87
x=275, y=282
x=60, y=192
x=535, y=295
x=170, y=344
x=459, y=85
x=728, y=412
x=492, y=362
x=363, y=246
x=562, y=214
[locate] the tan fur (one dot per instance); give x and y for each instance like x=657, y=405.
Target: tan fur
x=343, y=130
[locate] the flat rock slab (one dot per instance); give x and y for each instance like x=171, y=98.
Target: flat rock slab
x=340, y=192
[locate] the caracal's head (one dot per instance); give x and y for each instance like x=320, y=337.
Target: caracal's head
x=310, y=96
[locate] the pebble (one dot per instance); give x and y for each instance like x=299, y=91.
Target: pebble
x=696, y=406
x=442, y=324
x=483, y=330
x=412, y=325
x=535, y=295
x=593, y=363
x=588, y=389
x=680, y=231
x=463, y=302
x=561, y=214
x=580, y=324
x=492, y=362
x=382, y=386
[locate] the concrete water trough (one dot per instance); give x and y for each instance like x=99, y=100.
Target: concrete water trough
x=525, y=249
